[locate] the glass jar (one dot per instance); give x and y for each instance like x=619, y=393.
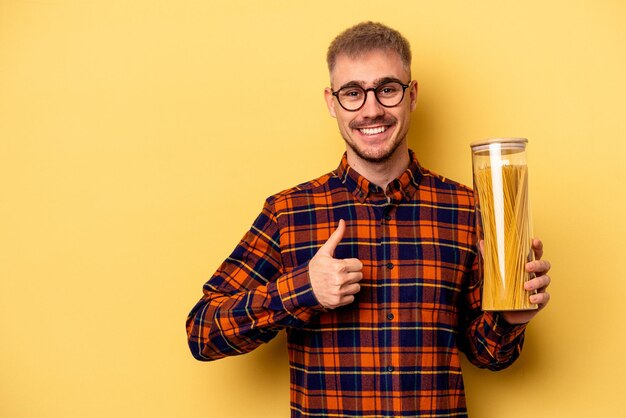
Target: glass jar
x=503, y=222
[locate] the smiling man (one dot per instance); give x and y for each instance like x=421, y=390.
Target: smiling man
x=370, y=269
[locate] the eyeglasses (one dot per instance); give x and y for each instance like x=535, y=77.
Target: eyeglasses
x=388, y=94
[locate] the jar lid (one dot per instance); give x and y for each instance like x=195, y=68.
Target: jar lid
x=520, y=141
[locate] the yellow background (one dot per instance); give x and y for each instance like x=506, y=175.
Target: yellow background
x=138, y=140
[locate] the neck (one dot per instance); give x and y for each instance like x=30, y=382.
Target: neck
x=384, y=172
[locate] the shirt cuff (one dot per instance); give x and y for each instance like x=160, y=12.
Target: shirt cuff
x=296, y=294
x=502, y=328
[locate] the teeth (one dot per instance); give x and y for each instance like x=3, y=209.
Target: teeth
x=373, y=131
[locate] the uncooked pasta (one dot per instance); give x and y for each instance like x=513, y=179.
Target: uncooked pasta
x=502, y=193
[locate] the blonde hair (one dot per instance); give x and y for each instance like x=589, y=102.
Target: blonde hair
x=365, y=37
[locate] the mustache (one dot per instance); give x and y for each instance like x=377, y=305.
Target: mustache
x=379, y=120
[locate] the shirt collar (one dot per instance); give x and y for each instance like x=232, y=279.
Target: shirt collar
x=401, y=189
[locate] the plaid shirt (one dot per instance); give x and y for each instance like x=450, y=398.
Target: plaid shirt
x=395, y=350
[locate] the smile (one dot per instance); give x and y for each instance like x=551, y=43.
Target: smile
x=373, y=131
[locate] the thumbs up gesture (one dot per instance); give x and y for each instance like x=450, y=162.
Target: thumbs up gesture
x=334, y=281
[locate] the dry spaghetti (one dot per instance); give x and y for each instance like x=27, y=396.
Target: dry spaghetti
x=502, y=194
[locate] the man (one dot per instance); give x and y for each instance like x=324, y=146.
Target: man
x=371, y=269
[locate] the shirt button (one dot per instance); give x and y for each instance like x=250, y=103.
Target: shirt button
x=389, y=266
x=361, y=194
x=390, y=316
x=387, y=217
x=389, y=368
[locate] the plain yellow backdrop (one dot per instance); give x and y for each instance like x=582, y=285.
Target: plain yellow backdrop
x=139, y=138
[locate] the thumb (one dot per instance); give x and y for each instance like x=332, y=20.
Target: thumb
x=329, y=246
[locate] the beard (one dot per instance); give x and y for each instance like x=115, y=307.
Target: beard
x=374, y=155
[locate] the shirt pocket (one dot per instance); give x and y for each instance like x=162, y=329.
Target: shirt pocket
x=434, y=279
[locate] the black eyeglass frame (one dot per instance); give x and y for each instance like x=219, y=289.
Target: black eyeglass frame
x=375, y=90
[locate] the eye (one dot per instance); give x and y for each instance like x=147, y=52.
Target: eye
x=351, y=93
x=389, y=89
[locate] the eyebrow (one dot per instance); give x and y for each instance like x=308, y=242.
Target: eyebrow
x=378, y=82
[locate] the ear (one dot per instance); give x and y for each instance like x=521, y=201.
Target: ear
x=413, y=94
x=330, y=101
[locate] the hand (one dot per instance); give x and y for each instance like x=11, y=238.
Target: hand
x=539, y=283
x=334, y=281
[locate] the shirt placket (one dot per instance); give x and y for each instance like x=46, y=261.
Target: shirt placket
x=388, y=268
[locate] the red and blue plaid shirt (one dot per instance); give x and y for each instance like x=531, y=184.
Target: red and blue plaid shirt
x=395, y=350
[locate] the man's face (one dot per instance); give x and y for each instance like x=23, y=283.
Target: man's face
x=374, y=132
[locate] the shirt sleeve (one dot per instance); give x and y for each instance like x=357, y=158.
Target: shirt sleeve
x=486, y=338
x=250, y=297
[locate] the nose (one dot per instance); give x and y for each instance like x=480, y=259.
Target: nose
x=371, y=108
